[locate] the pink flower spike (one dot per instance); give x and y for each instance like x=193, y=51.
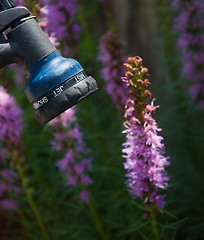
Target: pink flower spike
x=8, y=204
x=143, y=150
x=84, y=196
x=86, y=180
x=111, y=55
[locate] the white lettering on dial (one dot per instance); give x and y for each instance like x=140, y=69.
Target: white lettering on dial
x=79, y=77
x=40, y=102
x=58, y=91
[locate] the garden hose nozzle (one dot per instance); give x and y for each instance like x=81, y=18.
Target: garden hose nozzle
x=55, y=83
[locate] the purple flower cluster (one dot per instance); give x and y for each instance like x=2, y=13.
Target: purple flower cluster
x=143, y=149
x=111, y=55
x=8, y=188
x=10, y=118
x=11, y=127
x=189, y=25
x=74, y=166
x=57, y=20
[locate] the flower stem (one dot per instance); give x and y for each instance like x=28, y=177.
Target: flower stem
x=97, y=221
x=32, y=202
x=154, y=224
